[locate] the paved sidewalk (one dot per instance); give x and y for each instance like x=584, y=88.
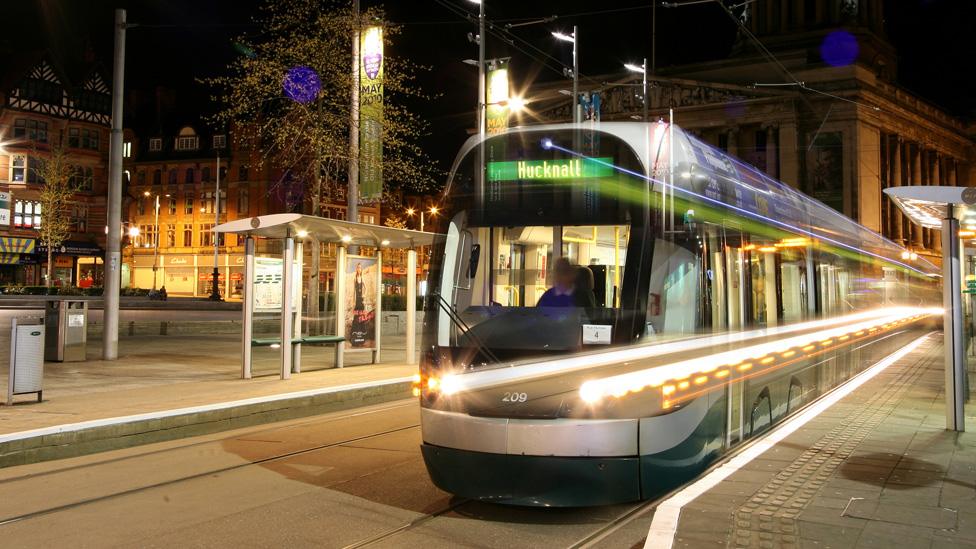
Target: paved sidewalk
x=878, y=469
x=164, y=387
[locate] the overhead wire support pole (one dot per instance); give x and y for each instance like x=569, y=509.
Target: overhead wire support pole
x=352, y=193
x=113, y=240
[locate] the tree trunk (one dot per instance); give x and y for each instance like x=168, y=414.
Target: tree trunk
x=315, y=324
x=50, y=264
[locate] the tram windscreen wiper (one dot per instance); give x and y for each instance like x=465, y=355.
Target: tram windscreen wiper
x=458, y=322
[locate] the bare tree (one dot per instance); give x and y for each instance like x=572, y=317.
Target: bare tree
x=287, y=99
x=60, y=180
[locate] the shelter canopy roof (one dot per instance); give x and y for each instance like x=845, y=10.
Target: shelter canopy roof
x=326, y=230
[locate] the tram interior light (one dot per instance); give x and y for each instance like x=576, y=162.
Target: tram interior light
x=301, y=234
x=547, y=143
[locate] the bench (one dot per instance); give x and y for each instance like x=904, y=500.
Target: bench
x=305, y=340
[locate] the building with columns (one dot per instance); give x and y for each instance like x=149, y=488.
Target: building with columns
x=827, y=116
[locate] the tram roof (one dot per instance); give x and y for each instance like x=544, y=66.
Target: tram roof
x=326, y=230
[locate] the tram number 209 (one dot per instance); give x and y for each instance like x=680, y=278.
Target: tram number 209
x=513, y=396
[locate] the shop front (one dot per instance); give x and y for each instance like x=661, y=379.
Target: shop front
x=18, y=265
x=75, y=263
x=189, y=275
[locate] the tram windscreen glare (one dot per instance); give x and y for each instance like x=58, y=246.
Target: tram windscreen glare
x=534, y=261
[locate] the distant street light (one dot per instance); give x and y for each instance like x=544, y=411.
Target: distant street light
x=642, y=69
x=573, y=38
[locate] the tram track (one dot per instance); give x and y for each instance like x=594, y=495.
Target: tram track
x=199, y=475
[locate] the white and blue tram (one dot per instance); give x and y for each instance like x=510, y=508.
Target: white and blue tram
x=709, y=302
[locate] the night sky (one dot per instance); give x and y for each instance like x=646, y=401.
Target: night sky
x=180, y=40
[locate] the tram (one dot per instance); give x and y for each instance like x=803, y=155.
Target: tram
x=613, y=308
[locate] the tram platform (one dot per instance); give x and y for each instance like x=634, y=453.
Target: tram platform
x=167, y=388
x=875, y=469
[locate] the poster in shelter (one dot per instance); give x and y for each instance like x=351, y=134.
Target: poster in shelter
x=360, y=301
x=267, y=284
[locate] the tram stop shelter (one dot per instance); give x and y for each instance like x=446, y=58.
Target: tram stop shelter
x=271, y=284
x=940, y=207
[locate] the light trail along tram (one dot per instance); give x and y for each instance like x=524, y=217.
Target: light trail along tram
x=611, y=310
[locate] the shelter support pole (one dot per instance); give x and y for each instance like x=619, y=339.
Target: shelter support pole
x=296, y=355
x=248, y=308
x=378, y=322
x=955, y=365
x=288, y=257
x=340, y=303
x=411, y=306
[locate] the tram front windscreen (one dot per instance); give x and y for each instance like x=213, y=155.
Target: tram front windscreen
x=535, y=261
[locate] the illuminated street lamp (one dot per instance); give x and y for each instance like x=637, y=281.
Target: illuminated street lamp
x=642, y=69
x=572, y=38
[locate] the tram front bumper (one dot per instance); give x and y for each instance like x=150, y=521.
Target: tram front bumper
x=540, y=481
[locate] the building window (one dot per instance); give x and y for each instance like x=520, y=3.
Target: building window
x=205, y=174
x=187, y=236
x=170, y=235
x=25, y=128
x=140, y=207
x=206, y=234
x=82, y=178
x=18, y=168
x=189, y=175
x=207, y=202
x=187, y=140
x=242, y=173
x=148, y=233
x=188, y=204
x=219, y=141
x=27, y=214
x=35, y=169
x=223, y=173
x=79, y=218
x=127, y=149
x=172, y=177
x=172, y=205
x=242, y=202
x=155, y=144
x=141, y=176
x=87, y=139
x=158, y=177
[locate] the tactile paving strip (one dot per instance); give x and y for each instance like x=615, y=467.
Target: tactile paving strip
x=768, y=519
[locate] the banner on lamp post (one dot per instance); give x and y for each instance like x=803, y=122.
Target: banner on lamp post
x=371, y=114
x=496, y=104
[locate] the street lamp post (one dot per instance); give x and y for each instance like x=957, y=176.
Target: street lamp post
x=215, y=290
x=574, y=38
x=155, y=235
x=643, y=70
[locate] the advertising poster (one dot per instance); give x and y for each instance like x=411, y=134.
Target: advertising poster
x=267, y=285
x=496, y=113
x=360, y=298
x=371, y=114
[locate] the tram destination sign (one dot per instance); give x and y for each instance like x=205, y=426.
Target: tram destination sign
x=569, y=168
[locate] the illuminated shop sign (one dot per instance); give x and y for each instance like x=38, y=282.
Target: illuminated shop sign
x=571, y=168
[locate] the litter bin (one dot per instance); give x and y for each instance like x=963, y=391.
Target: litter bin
x=66, y=324
x=26, y=358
